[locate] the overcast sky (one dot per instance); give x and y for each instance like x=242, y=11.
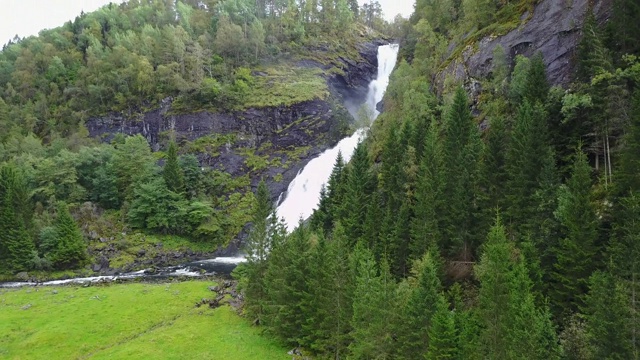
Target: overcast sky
x=28, y=17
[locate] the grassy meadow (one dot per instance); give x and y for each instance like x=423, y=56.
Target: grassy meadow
x=126, y=321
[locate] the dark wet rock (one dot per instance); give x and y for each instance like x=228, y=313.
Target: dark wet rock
x=311, y=124
x=151, y=271
x=554, y=28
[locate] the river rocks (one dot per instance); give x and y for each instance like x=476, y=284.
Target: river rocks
x=554, y=29
x=22, y=276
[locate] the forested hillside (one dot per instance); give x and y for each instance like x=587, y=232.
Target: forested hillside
x=489, y=218
x=130, y=195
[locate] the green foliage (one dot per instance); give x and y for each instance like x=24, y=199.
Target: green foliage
x=608, y=318
x=372, y=315
x=576, y=249
x=419, y=310
x=442, y=332
x=462, y=148
x=172, y=173
x=16, y=244
x=70, y=250
x=513, y=326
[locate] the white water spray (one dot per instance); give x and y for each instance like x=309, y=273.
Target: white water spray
x=304, y=191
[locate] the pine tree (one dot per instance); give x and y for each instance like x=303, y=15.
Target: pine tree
x=461, y=155
x=608, y=315
x=494, y=164
x=442, y=332
x=537, y=86
x=625, y=29
x=513, y=327
x=628, y=173
x=575, y=253
x=593, y=57
x=425, y=227
x=331, y=296
x=287, y=288
x=172, y=173
x=372, y=313
x=71, y=250
x=526, y=157
x=419, y=309
x=356, y=194
x=625, y=252
x=257, y=247
x=335, y=190
x=16, y=245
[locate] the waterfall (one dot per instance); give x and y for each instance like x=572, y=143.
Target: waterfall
x=303, y=193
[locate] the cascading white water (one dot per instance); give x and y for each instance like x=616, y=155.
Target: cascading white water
x=304, y=191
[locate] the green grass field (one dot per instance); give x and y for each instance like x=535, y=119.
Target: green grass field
x=126, y=321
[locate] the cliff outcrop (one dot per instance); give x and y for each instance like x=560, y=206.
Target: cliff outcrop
x=271, y=143
x=554, y=29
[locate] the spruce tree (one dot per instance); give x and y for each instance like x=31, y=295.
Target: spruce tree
x=526, y=157
x=421, y=303
x=331, y=295
x=335, y=192
x=513, y=327
x=461, y=156
x=624, y=251
x=257, y=247
x=71, y=250
x=425, y=226
x=172, y=173
x=575, y=254
x=494, y=164
x=442, y=332
x=608, y=318
x=356, y=194
x=287, y=288
x=16, y=244
x=625, y=30
x=321, y=218
x=372, y=314
x=627, y=177
x=537, y=86
x=592, y=55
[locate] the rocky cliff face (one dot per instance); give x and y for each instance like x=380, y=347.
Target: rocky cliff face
x=286, y=136
x=554, y=28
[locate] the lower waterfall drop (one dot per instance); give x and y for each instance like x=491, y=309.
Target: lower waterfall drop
x=303, y=193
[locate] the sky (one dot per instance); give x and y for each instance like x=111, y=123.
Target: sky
x=28, y=17
x=391, y=8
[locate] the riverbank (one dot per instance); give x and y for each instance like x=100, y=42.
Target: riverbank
x=132, y=321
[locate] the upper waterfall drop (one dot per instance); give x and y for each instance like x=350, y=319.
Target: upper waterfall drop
x=303, y=193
